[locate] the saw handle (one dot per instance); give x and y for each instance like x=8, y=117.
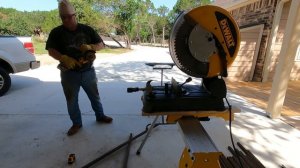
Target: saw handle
x=134, y=89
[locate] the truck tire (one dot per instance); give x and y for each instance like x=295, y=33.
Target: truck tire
x=5, y=81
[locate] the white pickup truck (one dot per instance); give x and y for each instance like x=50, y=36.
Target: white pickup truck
x=16, y=55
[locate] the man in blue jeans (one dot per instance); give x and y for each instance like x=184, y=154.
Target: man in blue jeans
x=74, y=45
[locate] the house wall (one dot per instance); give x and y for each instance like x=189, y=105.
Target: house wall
x=242, y=69
x=262, y=12
x=259, y=12
x=295, y=74
x=279, y=38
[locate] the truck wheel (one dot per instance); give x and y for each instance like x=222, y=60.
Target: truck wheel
x=5, y=81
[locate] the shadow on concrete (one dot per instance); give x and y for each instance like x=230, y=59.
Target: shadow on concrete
x=19, y=82
x=41, y=121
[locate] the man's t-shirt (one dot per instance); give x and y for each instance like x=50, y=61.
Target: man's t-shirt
x=68, y=42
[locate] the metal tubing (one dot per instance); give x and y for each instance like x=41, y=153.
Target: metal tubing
x=123, y=144
x=147, y=135
x=114, y=149
x=127, y=151
x=251, y=156
x=161, y=77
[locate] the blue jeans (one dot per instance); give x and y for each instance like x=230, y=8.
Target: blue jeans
x=71, y=82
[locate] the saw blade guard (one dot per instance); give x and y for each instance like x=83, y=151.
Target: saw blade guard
x=204, y=41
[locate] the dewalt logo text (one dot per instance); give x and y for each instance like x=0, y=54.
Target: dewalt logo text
x=227, y=33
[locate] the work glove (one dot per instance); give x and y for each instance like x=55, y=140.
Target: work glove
x=87, y=47
x=69, y=62
x=89, y=56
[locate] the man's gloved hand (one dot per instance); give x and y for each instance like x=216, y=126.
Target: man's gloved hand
x=89, y=57
x=87, y=47
x=69, y=62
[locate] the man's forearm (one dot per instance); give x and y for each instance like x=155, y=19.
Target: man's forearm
x=99, y=46
x=94, y=47
x=54, y=54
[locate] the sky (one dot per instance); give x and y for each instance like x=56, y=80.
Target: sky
x=46, y=5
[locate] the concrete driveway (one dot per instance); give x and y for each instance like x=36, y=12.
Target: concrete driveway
x=34, y=121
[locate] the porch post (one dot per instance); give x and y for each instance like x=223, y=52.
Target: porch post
x=272, y=40
x=286, y=61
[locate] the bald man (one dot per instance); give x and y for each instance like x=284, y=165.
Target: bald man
x=74, y=46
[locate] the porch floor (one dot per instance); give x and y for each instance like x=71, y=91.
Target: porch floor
x=258, y=93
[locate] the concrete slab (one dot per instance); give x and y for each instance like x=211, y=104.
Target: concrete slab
x=34, y=121
x=41, y=141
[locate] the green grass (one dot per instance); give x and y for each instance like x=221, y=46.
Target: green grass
x=39, y=48
x=114, y=50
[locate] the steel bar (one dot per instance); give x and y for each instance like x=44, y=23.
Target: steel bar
x=237, y=156
x=224, y=162
x=233, y=162
x=147, y=135
x=247, y=152
x=114, y=149
x=127, y=151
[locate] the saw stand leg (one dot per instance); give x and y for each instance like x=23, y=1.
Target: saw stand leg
x=200, y=150
x=161, y=84
x=147, y=135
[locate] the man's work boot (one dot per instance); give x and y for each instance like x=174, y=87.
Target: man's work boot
x=74, y=129
x=104, y=119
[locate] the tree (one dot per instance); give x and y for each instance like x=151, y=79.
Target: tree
x=113, y=12
x=184, y=5
x=14, y=22
x=86, y=14
x=51, y=20
x=140, y=21
x=163, y=10
x=125, y=16
x=151, y=18
x=109, y=25
x=206, y=2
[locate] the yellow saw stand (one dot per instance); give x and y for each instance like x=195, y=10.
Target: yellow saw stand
x=204, y=42
x=200, y=150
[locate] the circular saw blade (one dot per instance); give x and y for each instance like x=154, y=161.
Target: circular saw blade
x=202, y=39
x=179, y=48
x=201, y=44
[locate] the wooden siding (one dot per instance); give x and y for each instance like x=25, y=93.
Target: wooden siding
x=295, y=74
x=242, y=68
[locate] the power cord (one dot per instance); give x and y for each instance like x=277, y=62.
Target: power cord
x=230, y=132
